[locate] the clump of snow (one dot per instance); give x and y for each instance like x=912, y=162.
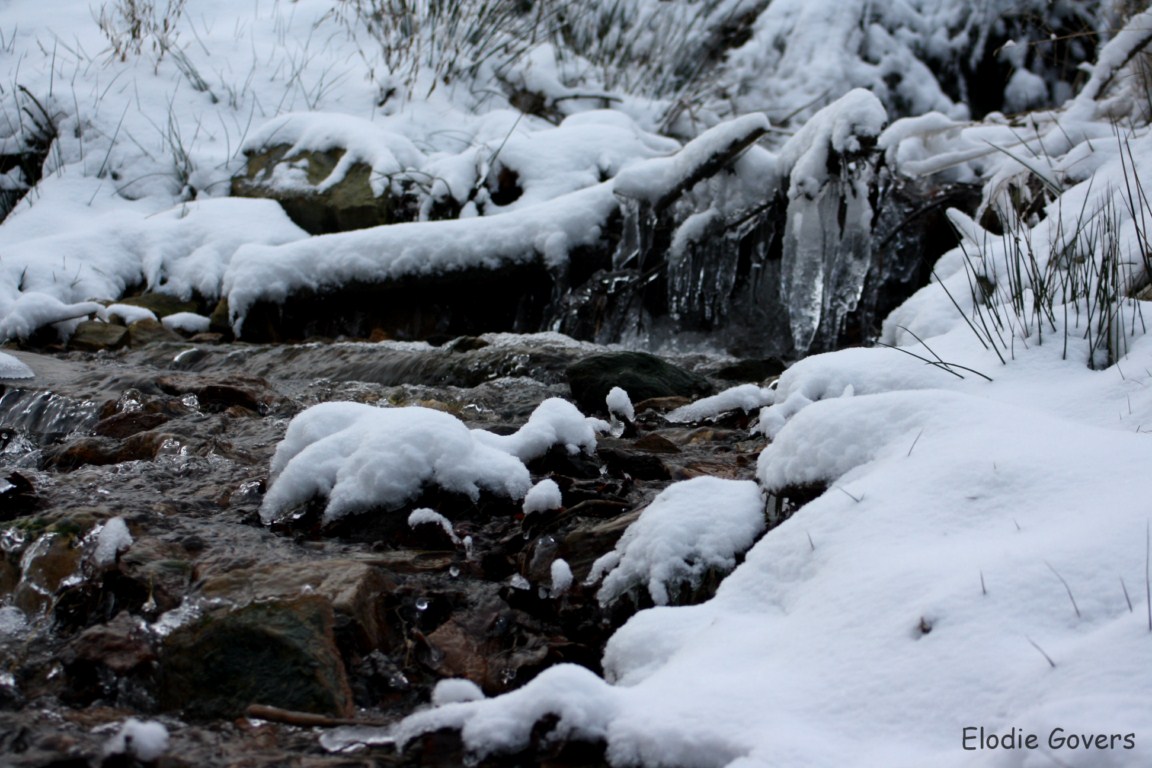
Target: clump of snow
x=690, y=528
x=188, y=322
x=743, y=397
x=543, y=496
x=12, y=367
x=425, y=516
x=112, y=539
x=561, y=574
x=619, y=404
x=583, y=703
x=361, y=457
x=455, y=690
x=554, y=422
x=145, y=740
x=128, y=313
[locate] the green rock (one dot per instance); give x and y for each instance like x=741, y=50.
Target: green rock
x=160, y=304
x=348, y=204
x=277, y=653
x=640, y=374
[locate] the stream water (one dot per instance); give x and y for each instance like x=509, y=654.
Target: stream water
x=208, y=610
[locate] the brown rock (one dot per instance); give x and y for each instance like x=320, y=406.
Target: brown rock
x=94, y=335
x=150, y=331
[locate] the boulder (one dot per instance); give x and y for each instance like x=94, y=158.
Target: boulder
x=641, y=375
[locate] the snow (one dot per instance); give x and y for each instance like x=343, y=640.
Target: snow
x=425, y=516
x=743, y=397
x=543, y=496
x=691, y=527
x=619, y=404
x=188, y=322
x=561, y=574
x=12, y=367
x=361, y=457
x=112, y=539
x=145, y=740
x=127, y=313
x=455, y=690
x=975, y=478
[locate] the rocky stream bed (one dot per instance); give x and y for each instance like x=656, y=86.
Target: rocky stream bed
x=339, y=626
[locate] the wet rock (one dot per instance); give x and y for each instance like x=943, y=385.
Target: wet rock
x=661, y=404
x=100, y=451
x=95, y=335
x=351, y=587
x=108, y=660
x=281, y=653
x=150, y=331
x=122, y=425
x=217, y=393
x=17, y=496
x=655, y=443
x=640, y=374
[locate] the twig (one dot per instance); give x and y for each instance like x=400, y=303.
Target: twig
x=306, y=719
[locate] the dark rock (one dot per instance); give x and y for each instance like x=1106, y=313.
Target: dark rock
x=640, y=374
x=281, y=653
x=17, y=497
x=641, y=466
x=95, y=335
x=756, y=370
x=661, y=404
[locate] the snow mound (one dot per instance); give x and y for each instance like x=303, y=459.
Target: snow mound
x=690, y=528
x=362, y=457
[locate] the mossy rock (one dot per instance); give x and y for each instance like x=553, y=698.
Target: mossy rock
x=160, y=304
x=641, y=375
x=315, y=207
x=279, y=653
